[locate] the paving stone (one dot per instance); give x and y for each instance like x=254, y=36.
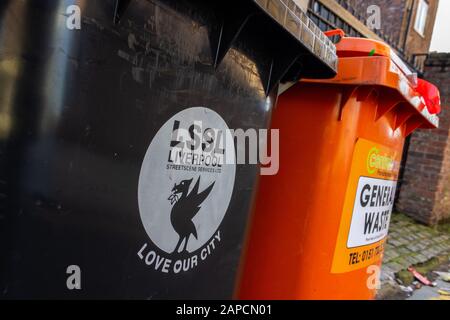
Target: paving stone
x=387, y=274
x=402, y=223
x=394, y=254
x=388, y=253
x=412, y=259
x=412, y=239
x=422, y=235
x=403, y=261
x=389, y=247
x=395, y=267
x=413, y=247
x=425, y=235
x=404, y=241
x=394, y=242
x=393, y=234
x=385, y=268
x=403, y=251
x=421, y=258
x=414, y=230
x=421, y=246
x=428, y=254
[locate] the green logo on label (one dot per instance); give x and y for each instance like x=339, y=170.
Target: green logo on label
x=376, y=161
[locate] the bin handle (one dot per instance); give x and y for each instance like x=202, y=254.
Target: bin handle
x=335, y=32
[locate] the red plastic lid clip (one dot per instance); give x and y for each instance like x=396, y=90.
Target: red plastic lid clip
x=431, y=96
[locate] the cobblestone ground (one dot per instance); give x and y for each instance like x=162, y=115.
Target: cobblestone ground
x=410, y=243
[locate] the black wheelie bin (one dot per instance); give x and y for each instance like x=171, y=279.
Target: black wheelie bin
x=103, y=107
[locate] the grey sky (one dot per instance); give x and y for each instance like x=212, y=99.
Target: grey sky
x=441, y=34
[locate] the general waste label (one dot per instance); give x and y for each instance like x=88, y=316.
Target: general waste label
x=367, y=207
x=371, y=211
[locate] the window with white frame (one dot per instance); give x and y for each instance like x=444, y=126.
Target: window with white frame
x=421, y=17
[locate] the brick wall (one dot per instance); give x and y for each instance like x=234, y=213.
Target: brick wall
x=425, y=192
x=438, y=71
x=392, y=14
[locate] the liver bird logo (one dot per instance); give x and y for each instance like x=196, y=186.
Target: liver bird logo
x=185, y=207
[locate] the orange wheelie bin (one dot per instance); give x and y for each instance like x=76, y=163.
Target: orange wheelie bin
x=320, y=225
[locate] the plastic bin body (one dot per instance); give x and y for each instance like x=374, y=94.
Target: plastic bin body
x=307, y=233
x=85, y=115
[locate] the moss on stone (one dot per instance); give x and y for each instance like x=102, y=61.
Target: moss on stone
x=444, y=226
x=423, y=268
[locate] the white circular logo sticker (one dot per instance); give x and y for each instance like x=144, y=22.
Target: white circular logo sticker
x=185, y=187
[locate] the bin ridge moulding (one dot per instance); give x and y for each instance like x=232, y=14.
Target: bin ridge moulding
x=361, y=93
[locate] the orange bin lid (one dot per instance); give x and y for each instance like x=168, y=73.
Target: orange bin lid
x=367, y=62
x=361, y=47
